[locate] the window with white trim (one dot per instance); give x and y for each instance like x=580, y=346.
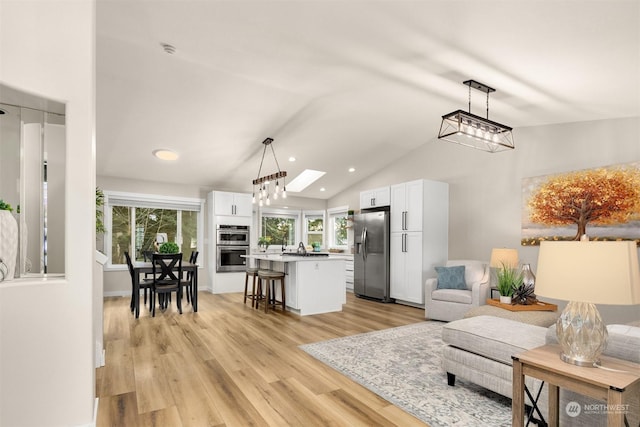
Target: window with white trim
x=139, y=223
x=313, y=228
x=279, y=227
x=337, y=227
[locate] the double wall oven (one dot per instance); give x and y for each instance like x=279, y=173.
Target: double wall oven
x=232, y=242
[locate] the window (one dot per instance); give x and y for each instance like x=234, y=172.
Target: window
x=137, y=222
x=280, y=228
x=338, y=227
x=314, y=228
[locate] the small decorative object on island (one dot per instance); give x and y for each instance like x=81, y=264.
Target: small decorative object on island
x=301, y=249
x=263, y=243
x=8, y=242
x=524, y=294
x=509, y=279
x=316, y=246
x=169, y=248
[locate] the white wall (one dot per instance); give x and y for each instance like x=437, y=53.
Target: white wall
x=485, y=189
x=47, y=374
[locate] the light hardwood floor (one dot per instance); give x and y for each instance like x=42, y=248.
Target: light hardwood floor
x=231, y=365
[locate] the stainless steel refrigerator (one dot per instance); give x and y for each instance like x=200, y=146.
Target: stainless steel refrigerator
x=371, y=258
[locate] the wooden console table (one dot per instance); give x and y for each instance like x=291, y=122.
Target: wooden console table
x=613, y=384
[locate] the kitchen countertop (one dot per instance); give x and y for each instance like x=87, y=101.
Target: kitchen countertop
x=297, y=258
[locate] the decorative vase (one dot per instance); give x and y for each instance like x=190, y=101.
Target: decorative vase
x=505, y=300
x=8, y=245
x=528, y=278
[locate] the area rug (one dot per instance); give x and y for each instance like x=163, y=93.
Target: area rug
x=403, y=365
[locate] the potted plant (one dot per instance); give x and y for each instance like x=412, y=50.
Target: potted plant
x=509, y=279
x=8, y=241
x=169, y=248
x=264, y=242
x=315, y=246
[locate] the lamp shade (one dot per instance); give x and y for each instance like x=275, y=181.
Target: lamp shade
x=503, y=256
x=590, y=272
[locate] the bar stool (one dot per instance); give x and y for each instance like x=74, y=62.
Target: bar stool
x=253, y=296
x=270, y=299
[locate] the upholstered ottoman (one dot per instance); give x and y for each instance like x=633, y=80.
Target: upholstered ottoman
x=479, y=349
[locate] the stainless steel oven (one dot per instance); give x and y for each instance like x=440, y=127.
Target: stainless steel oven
x=233, y=235
x=229, y=258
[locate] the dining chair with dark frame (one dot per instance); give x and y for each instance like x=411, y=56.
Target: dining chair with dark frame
x=143, y=284
x=167, y=274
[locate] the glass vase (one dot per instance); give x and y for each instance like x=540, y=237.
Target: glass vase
x=528, y=278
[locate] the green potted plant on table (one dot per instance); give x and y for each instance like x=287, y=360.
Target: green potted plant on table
x=169, y=248
x=509, y=279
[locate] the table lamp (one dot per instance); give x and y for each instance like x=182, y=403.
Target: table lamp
x=587, y=273
x=503, y=256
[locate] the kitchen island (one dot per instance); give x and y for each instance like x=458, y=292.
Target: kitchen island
x=314, y=283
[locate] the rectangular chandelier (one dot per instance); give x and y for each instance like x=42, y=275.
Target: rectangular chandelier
x=465, y=128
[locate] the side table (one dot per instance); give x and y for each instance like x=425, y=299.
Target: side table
x=612, y=383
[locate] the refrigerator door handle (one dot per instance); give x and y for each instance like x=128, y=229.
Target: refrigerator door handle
x=404, y=242
x=364, y=243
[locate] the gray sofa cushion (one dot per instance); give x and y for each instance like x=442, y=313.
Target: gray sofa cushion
x=492, y=337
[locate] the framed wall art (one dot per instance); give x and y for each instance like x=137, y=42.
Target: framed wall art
x=601, y=203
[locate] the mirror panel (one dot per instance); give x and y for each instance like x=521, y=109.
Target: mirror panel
x=32, y=172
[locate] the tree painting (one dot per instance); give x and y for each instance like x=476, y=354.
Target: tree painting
x=602, y=201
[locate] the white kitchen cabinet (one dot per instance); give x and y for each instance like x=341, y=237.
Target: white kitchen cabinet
x=375, y=198
x=233, y=204
x=349, y=272
x=406, y=267
x=419, y=236
x=409, y=201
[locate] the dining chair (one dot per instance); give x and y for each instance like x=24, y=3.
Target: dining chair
x=187, y=283
x=167, y=271
x=144, y=283
x=147, y=256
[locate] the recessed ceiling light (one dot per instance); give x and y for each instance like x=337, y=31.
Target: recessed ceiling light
x=292, y=159
x=352, y=169
x=164, y=154
x=305, y=179
x=322, y=189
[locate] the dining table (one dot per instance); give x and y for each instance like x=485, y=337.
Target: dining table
x=146, y=268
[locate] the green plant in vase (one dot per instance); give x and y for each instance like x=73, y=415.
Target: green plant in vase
x=4, y=206
x=169, y=248
x=264, y=242
x=316, y=246
x=509, y=279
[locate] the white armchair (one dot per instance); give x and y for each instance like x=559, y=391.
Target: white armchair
x=452, y=304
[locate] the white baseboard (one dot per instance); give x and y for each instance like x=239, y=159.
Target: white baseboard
x=100, y=354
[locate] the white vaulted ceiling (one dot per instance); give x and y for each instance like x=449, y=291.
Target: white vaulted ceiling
x=342, y=84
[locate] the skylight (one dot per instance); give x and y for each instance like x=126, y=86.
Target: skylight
x=305, y=179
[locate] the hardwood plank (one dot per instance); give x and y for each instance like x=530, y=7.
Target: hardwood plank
x=118, y=410
x=192, y=400
x=151, y=382
x=161, y=418
x=232, y=365
x=118, y=377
